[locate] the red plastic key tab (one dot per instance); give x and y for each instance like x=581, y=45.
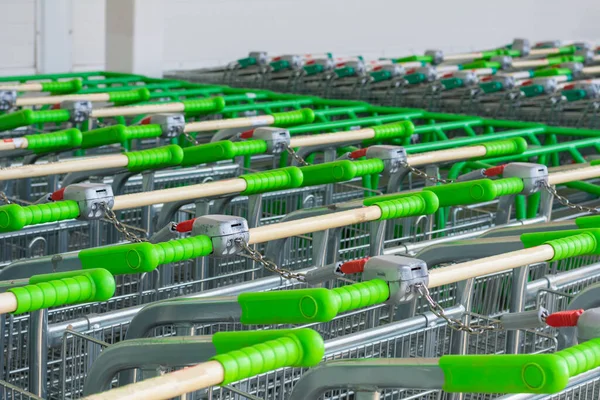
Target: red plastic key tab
x=564, y=318
x=145, y=121
x=185, y=226
x=494, y=171
x=358, y=153
x=247, y=134
x=58, y=195
x=354, y=266
x=55, y=106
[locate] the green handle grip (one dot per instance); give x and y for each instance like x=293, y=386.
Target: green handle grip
x=339, y=171
x=574, y=94
x=452, y=83
x=58, y=289
x=71, y=86
x=566, y=243
x=508, y=186
x=526, y=373
x=310, y=70
x=505, y=147
x=379, y=76
x=592, y=221
x=415, y=204
x=551, y=72
x=161, y=157
x=532, y=90
x=30, y=117
x=283, y=178
x=309, y=305
x=300, y=348
x=289, y=118
x=279, y=65
x=129, y=96
x=204, y=106
x=417, y=77
x=55, y=141
x=246, y=62
x=345, y=72
x=144, y=257
x=464, y=193
x=393, y=130
x=224, y=150
x=491, y=87
x=119, y=134
x=14, y=217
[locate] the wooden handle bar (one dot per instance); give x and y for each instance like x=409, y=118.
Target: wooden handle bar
x=13, y=144
x=434, y=157
x=204, y=126
x=489, y=265
x=464, y=56
x=332, y=138
x=23, y=87
x=8, y=303
x=591, y=70
x=203, y=190
x=83, y=164
x=137, y=110
x=542, y=52
x=577, y=174
x=529, y=63
x=43, y=100
x=313, y=224
x=170, y=385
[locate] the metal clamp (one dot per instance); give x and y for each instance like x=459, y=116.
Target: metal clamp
x=521, y=45
x=437, y=56
x=260, y=56
x=534, y=176
x=80, y=110
x=549, y=84
x=8, y=99
x=508, y=82
x=394, y=69
x=505, y=61
x=468, y=77
x=524, y=320
x=172, y=125
x=429, y=72
x=277, y=139
x=402, y=274
x=323, y=274
x=225, y=232
x=592, y=90
x=392, y=156
x=92, y=199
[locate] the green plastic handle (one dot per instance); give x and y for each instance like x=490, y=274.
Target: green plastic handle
x=574, y=94
x=129, y=96
x=304, y=306
x=408, y=205
x=278, y=179
x=567, y=243
x=63, y=288
x=297, y=348
x=289, y=118
x=144, y=257
x=380, y=76
x=119, y=134
x=526, y=373
x=452, y=83
x=592, y=221
x=339, y=171
x=71, y=86
x=223, y=150
x=14, y=217
x=464, y=193
x=345, y=72
x=482, y=64
x=551, y=72
x=30, y=117
x=417, y=77
x=532, y=90
x=204, y=106
x=279, y=65
x=161, y=157
x=392, y=131
x=491, y=87
x=508, y=186
x=505, y=147
x=55, y=141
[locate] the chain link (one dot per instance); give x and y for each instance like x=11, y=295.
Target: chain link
x=190, y=138
x=424, y=175
x=296, y=157
x=453, y=323
x=565, y=202
x=4, y=198
x=268, y=264
x=112, y=218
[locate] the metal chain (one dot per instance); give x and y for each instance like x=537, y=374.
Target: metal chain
x=4, y=198
x=268, y=264
x=112, y=218
x=565, y=202
x=453, y=323
x=296, y=157
x=424, y=175
x=190, y=138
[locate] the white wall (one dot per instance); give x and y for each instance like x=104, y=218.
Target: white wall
x=210, y=32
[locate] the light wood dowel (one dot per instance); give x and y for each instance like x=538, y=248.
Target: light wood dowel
x=332, y=138
x=577, y=174
x=591, y=70
x=13, y=144
x=170, y=385
x=489, y=265
x=23, y=87
x=313, y=224
x=138, y=110
x=529, y=63
x=204, y=126
x=542, y=52
x=203, y=190
x=83, y=164
x=8, y=303
x=32, y=101
x=465, y=56
x=433, y=157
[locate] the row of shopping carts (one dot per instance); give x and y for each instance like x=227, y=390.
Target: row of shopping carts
x=163, y=239
x=554, y=82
